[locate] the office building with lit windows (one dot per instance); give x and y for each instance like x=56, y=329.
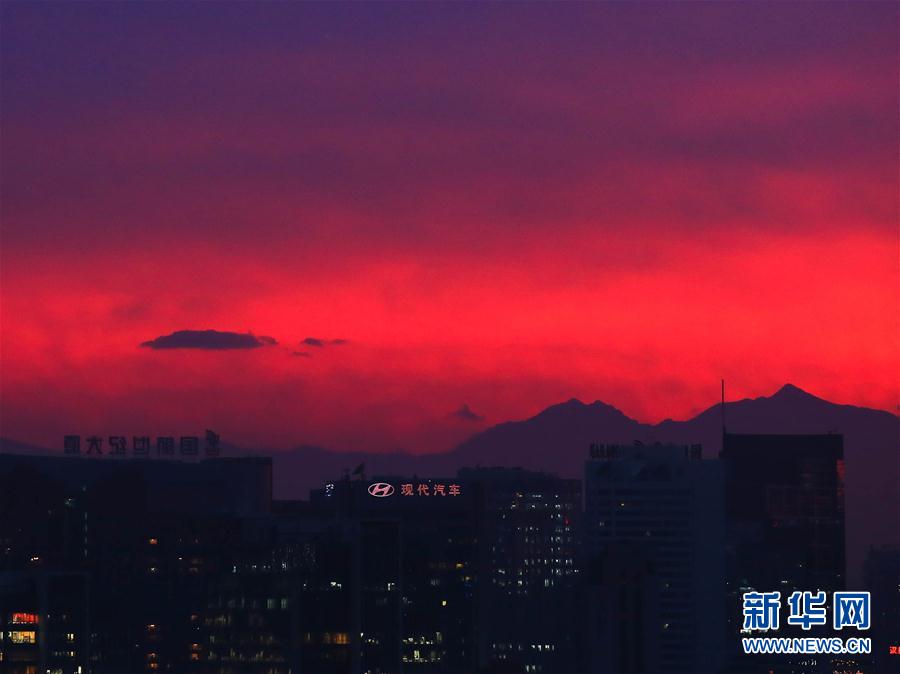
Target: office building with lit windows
x=529, y=602
x=413, y=549
x=140, y=542
x=44, y=624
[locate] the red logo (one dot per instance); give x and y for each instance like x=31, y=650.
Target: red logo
x=381, y=489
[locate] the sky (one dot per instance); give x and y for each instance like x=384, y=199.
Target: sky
x=389, y=226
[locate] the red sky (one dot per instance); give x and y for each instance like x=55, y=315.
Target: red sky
x=499, y=206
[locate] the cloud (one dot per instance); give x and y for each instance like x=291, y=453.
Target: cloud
x=209, y=339
x=302, y=354
x=465, y=413
x=320, y=343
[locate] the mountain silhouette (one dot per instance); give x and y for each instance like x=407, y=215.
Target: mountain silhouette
x=557, y=440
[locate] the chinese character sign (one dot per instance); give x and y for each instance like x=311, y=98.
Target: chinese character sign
x=140, y=446
x=417, y=489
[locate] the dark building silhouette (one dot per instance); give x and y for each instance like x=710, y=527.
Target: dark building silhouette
x=660, y=506
x=148, y=537
x=622, y=618
x=882, y=575
x=785, y=514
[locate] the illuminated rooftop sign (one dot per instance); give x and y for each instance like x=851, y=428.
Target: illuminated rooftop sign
x=421, y=489
x=24, y=618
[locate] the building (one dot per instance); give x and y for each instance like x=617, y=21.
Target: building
x=785, y=521
x=661, y=507
x=484, y=565
x=882, y=575
x=530, y=607
x=145, y=537
x=622, y=617
x=44, y=622
x=413, y=582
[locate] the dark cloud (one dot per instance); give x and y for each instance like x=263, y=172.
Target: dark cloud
x=320, y=343
x=209, y=339
x=466, y=414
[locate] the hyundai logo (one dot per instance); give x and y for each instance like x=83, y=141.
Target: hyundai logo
x=381, y=489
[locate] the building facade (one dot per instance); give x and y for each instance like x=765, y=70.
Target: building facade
x=661, y=507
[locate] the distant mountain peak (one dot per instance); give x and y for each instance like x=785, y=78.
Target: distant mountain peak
x=790, y=392
x=790, y=389
x=577, y=409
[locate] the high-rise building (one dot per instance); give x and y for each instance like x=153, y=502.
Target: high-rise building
x=785, y=528
x=622, y=617
x=529, y=608
x=414, y=547
x=785, y=510
x=661, y=506
x=882, y=575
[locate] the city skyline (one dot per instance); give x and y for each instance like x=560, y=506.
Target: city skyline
x=449, y=337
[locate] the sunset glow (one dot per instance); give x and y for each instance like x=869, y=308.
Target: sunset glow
x=597, y=210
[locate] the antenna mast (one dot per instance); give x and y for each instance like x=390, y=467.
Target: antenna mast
x=723, y=408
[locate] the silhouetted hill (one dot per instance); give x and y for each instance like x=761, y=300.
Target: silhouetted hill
x=556, y=440
x=10, y=446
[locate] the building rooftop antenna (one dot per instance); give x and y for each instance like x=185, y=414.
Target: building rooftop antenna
x=723, y=408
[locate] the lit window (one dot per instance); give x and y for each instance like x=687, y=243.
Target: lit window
x=22, y=637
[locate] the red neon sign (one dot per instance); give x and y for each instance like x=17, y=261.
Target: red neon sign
x=24, y=618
